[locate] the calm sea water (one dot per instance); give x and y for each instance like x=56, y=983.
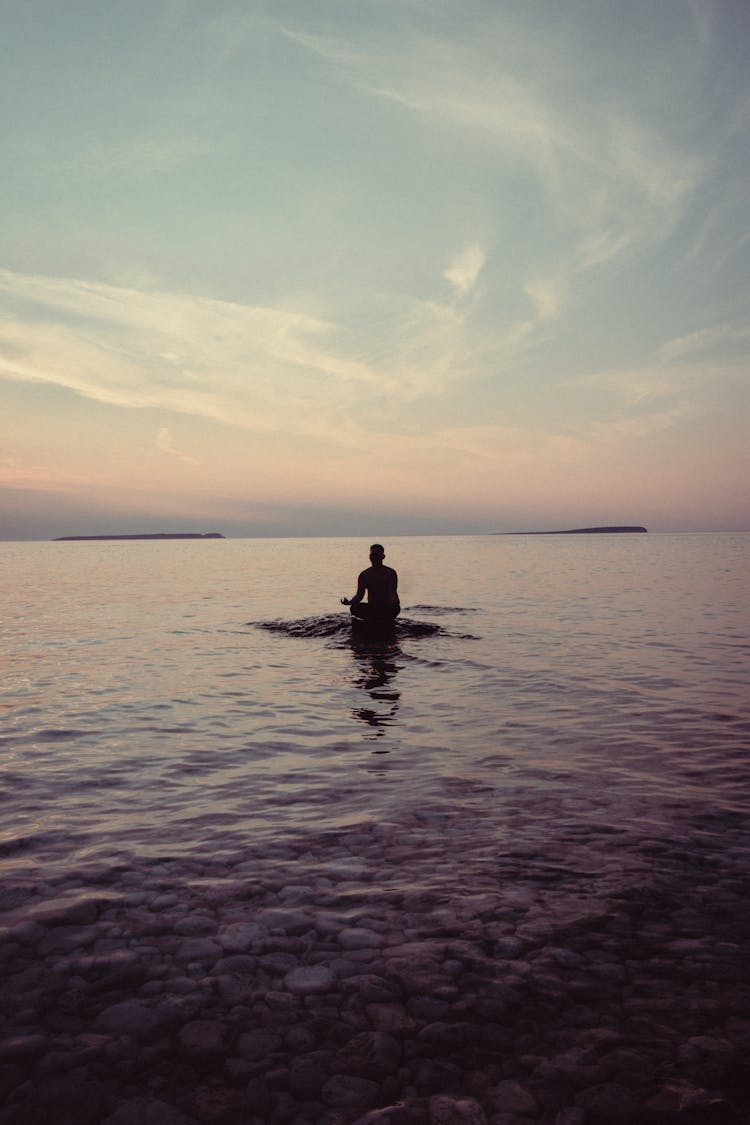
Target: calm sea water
x=550, y=709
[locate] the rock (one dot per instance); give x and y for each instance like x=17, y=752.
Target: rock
x=573, y=1115
x=17, y=1047
x=510, y=1097
x=309, y=980
x=107, y=969
x=397, y=1114
x=357, y=937
x=370, y=1054
x=195, y=925
x=680, y=1097
x=172, y=1010
x=11, y=1076
x=147, y=1111
x=447, y=1110
x=203, y=1038
x=373, y=988
x=390, y=1017
x=290, y=921
x=197, y=949
x=258, y=1044
x=282, y=1003
x=609, y=1103
x=84, y=1049
x=306, y=1077
x=294, y=893
x=237, y=963
x=67, y=1099
x=427, y=1008
x=81, y=910
x=346, y=1091
x=66, y=939
x=442, y=1036
x=129, y=1017
x=216, y=1105
x=566, y=957
x=238, y=937
x=705, y=1047
x=277, y=962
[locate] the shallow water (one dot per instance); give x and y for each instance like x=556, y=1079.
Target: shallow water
x=547, y=709
x=258, y=868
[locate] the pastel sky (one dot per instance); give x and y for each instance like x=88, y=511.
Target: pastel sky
x=374, y=267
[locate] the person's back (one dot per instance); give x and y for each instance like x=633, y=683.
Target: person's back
x=380, y=583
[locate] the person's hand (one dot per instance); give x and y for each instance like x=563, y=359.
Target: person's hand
x=345, y=601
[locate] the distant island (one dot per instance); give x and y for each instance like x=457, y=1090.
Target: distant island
x=579, y=531
x=143, y=535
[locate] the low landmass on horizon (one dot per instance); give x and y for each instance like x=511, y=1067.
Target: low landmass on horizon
x=579, y=531
x=143, y=535
x=218, y=535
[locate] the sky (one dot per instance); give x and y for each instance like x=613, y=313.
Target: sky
x=374, y=267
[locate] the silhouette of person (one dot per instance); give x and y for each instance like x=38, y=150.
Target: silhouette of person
x=380, y=583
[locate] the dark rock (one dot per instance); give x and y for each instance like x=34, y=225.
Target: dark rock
x=511, y=1097
x=397, y=1114
x=609, y=1104
x=373, y=988
x=347, y=1091
x=129, y=1017
x=370, y=1054
x=68, y=1099
x=79, y=910
x=309, y=980
x=448, y=1110
x=443, y=1037
x=258, y=1044
x=198, y=949
x=203, y=1038
x=307, y=1075
x=22, y=1047
x=573, y=1115
x=278, y=962
x=427, y=1008
x=147, y=1111
x=11, y=1076
x=677, y=1099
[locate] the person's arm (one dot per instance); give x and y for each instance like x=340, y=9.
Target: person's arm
x=361, y=587
x=394, y=588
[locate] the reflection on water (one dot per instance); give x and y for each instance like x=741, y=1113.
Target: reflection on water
x=376, y=668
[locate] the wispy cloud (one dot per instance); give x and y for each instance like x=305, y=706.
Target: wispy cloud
x=260, y=367
x=546, y=293
x=613, y=177
x=716, y=339
x=465, y=269
x=165, y=443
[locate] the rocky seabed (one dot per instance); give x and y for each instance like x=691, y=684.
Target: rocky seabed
x=181, y=994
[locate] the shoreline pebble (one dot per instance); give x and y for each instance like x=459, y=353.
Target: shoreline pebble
x=301, y=996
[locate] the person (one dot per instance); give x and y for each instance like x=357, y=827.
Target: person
x=380, y=583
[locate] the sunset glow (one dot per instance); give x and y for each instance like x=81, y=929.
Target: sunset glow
x=280, y=269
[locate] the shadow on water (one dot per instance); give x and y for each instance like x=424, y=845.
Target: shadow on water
x=376, y=651
x=343, y=630
x=376, y=656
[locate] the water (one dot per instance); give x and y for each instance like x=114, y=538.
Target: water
x=551, y=713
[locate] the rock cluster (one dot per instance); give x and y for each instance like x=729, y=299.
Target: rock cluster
x=169, y=996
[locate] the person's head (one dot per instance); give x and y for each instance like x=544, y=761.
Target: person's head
x=377, y=553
